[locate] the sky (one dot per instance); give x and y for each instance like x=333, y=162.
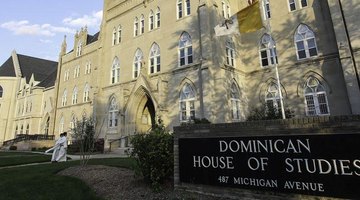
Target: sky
x=37, y=27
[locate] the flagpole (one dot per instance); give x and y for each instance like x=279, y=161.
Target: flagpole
x=272, y=49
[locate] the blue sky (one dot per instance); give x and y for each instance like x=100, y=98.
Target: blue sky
x=37, y=27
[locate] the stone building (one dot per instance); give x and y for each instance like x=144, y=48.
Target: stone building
x=161, y=58
x=26, y=96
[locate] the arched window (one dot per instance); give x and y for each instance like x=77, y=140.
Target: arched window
x=315, y=98
x=31, y=88
x=114, y=37
x=157, y=17
x=154, y=58
x=179, y=9
x=79, y=49
x=185, y=50
x=187, y=7
x=235, y=102
x=267, y=51
x=187, y=103
x=72, y=122
x=225, y=9
x=272, y=98
x=1, y=91
x=74, y=96
x=142, y=24
x=266, y=6
x=136, y=26
x=138, y=58
x=64, y=98
x=119, y=32
x=47, y=125
x=61, y=124
x=27, y=129
x=16, y=129
x=230, y=53
x=86, y=97
x=115, y=71
x=151, y=20
x=305, y=42
x=22, y=129
x=113, y=111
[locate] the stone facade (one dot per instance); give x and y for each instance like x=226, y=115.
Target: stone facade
x=200, y=75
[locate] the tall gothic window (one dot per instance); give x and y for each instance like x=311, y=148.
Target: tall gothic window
x=114, y=37
x=305, y=42
x=185, y=50
x=138, y=58
x=154, y=58
x=136, y=27
x=230, y=53
x=157, y=17
x=272, y=98
x=267, y=51
x=74, y=96
x=303, y=3
x=27, y=129
x=235, y=102
x=142, y=24
x=179, y=9
x=64, y=98
x=47, y=125
x=151, y=20
x=86, y=97
x=119, y=32
x=79, y=49
x=113, y=113
x=267, y=12
x=292, y=5
x=315, y=98
x=115, y=71
x=1, y=91
x=187, y=103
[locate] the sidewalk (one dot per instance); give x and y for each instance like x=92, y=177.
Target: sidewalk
x=72, y=157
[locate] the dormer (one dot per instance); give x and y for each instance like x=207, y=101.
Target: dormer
x=80, y=41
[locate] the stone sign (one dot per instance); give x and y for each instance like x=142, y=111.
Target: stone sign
x=322, y=165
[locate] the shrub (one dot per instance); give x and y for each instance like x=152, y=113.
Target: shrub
x=13, y=147
x=265, y=113
x=153, y=153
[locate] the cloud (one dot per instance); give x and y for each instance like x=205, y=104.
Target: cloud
x=25, y=28
x=93, y=20
x=46, y=41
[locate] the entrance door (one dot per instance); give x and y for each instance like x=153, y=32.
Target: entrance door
x=145, y=118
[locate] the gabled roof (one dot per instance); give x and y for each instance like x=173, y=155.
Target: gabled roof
x=7, y=69
x=39, y=67
x=49, y=81
x=92, y=38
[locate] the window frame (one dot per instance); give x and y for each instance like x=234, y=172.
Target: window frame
x=137, y=64
x=230, y=53
x=185, y=48
x=303, y=37
x=154, y=59
x=189, y=101
x=113, y=111
x=316, y=106
x=115, y=71
x=267, y=45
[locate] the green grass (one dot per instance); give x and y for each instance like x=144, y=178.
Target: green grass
x=18, y=158
x=40, y=182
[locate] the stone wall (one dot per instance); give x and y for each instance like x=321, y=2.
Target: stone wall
x=297, y=126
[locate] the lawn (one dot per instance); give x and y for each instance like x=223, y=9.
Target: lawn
x=40, y=182
x=18, y=158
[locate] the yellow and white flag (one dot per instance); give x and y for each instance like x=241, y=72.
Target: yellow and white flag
x=245, y=21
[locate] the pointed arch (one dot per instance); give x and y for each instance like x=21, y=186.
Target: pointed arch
x=61, y=124
x=185, y=50
x=114, y=36
x=154, y=58
x=315, y=96
x=265, y=86
x=235, y=101
x=302, y=82
x=267, y=51
x=115, y=70
x=136, y=27
x=113, y=110
x=157, y=18
x=74, y=96
x=138, y=60
x=305, y=42
x=151, y=20
x=187, y=98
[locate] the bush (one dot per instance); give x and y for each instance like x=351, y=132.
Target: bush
x=265, y=113
x=153, y=153
x=13, y=147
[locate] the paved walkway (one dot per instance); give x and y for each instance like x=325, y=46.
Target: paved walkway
x=73, y=158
